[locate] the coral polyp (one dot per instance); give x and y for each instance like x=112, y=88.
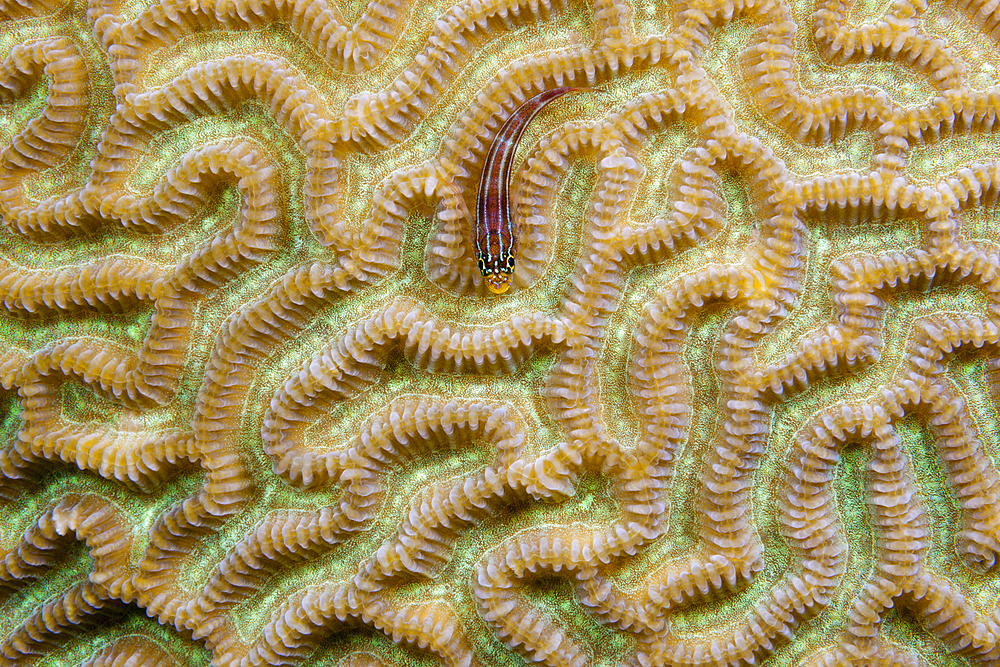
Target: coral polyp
x=740, y=403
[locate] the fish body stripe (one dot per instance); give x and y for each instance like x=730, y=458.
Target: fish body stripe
x=496, y=237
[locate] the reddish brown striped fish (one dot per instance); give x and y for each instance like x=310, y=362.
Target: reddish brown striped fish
x=496, y=234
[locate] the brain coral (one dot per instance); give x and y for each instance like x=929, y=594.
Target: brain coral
x=741, y=404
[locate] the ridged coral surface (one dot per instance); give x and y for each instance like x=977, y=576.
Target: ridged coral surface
x=740, y=405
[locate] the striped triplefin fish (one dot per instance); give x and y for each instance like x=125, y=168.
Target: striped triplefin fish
x=496, y=233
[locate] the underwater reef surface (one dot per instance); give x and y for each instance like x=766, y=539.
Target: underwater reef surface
x=739, y=406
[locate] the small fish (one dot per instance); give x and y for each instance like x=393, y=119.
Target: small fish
x=496, y=235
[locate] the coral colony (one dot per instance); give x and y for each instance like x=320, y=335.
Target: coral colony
x=275, y=391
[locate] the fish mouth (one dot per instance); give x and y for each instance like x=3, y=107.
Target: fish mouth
x=498, y=282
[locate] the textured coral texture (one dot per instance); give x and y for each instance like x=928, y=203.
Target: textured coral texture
x=739, y=406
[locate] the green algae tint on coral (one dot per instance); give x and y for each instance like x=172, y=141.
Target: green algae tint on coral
x=741, y=404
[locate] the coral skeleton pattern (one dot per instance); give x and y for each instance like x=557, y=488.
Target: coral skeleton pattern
x=260, y=407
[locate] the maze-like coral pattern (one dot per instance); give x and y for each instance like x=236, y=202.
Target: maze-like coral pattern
x=258, y=407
